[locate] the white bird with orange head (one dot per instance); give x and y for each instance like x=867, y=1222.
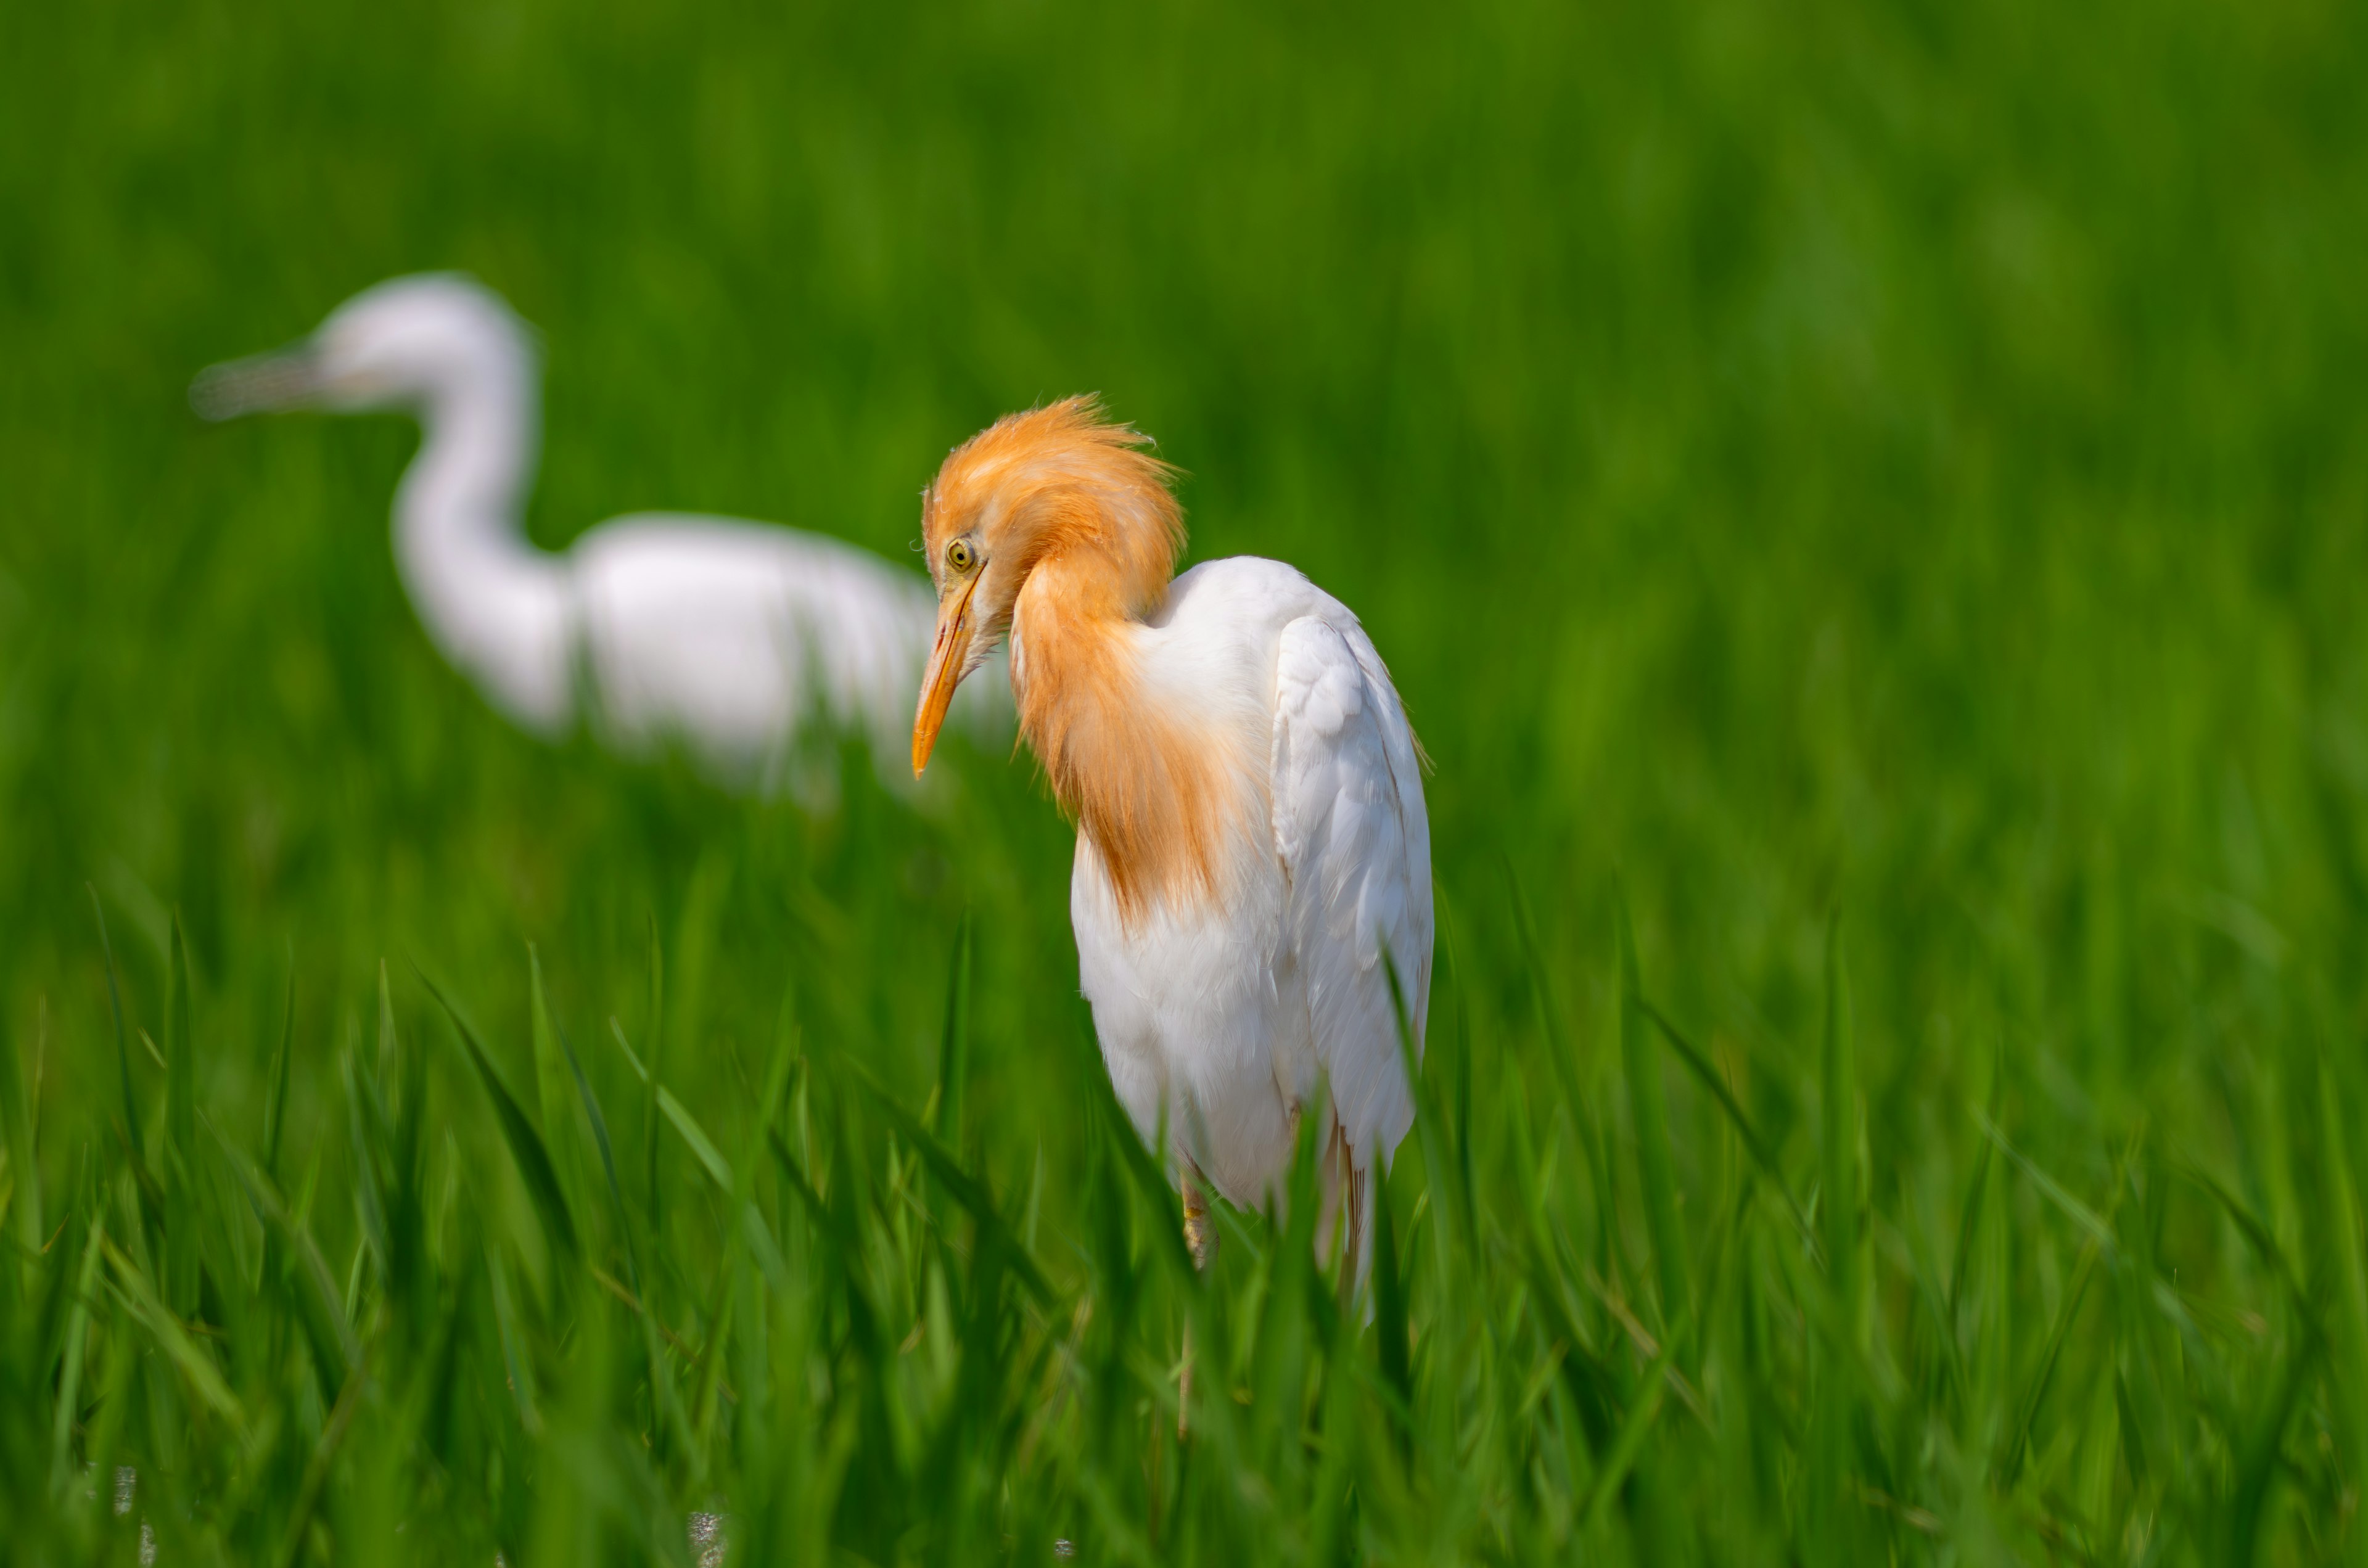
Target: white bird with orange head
x=1251, y=837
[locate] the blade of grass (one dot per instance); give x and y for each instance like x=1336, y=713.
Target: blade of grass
x=1143, y=1174
x=526, y=1146
x=2094, y=1226
x=2099, y=1245
x=1969, y=1215
x=369, y=1187
x=77, y=1341
x=2261, y=1457
x=709, y=1157
x=1834, y=1520
x=17, y=1126
x=516, y=1365
x=1648, y=1107
x=316, y=1468
x=1611, y=1251
x=181, y=1056
x=650, y=1079
x=320, y=1303
x=554, y=1091
x=2348, y=1319
x=1459, y=1122
x=1390, y=1314
x=1429, y=1125
x=953, y=1044
x=139, y=1294
x=275, y=1109
x=1762, y=1154
x=1634, y=1427
x=966, y=1189
x=130, y=1134
x=1838, y=1071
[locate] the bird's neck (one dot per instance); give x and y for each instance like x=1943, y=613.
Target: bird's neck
x=1156, y=790
x=493, y=603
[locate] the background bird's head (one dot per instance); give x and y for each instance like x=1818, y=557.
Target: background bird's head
x=403, y=344
x=1062, y=484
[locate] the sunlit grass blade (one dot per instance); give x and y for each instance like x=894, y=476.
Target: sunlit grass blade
x=711, y=1158
x=205, y=1379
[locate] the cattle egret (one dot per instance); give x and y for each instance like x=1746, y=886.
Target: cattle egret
x=732, y=637
x=1251, y=838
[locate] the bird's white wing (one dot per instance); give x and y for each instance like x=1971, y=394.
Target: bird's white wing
x=1355, y=842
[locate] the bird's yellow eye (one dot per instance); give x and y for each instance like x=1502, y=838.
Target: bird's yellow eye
x=959, y=556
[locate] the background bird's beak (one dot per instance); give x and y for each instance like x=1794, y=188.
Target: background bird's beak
x=948, y=655
x=286, y=377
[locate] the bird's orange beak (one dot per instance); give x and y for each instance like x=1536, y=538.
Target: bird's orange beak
x=948, y=654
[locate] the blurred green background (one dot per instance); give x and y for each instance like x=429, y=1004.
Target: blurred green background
x=1901, y=459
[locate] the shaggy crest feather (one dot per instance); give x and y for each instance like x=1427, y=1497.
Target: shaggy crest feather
x=1079, y=534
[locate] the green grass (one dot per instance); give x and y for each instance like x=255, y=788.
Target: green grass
x=1883, y=485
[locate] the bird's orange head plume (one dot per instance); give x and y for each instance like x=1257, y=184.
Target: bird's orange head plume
x=1055, y=479
x=1059, y=522
x=1063, y=482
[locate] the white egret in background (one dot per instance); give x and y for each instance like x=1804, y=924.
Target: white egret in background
x=1251, y=836
x=734, y=638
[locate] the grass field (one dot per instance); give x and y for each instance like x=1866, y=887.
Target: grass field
x=1885, y=485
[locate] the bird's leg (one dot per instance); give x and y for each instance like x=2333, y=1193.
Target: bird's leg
x=1200, y=1228
x=1200, y=1237
x=1341, y=1225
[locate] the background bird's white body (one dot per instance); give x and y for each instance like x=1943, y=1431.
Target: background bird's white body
x=1222, y=1015
x=735, y=639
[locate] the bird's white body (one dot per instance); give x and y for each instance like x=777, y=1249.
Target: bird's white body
x=735, y=639
x=1253, y=852
x=1220, y=1017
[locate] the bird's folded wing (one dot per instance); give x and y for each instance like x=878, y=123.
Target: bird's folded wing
x=1350, y=830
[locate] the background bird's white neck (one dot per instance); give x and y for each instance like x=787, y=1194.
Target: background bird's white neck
x=496, y=607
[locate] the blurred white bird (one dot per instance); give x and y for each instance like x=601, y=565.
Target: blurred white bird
x=737, y=638
x=1251, y=835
